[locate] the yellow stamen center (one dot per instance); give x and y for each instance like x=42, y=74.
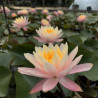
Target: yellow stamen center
x=19, y=20
x=24, y=11
x=50, y=54
x=45, y=10
x=82, y=17
x=46, y=22
x=49, y=31
x=60, y=54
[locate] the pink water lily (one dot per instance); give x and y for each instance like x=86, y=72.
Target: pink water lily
x=49, y=17
x=60, y=12
x=14, y=15
x=44, y=22
x=45, y=12
x=33, y=10
x=7, y=10
x=21, y=23
x=49, y=34
x=23, y=12
x=81, y=18
x=56, y=13
x=53, y=64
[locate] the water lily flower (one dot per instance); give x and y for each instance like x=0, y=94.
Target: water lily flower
x=53, y=64
x=60, y=12
x=81, y=18
x=44, y=22
x=23, y=12
x=45, y=12
x=7, y=10
x=33, y=10
x=49, y=34
x=14, y=15
x=49, y=17
x=55, y=13
x=21, y=23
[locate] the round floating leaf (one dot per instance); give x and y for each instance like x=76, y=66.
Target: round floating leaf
x=75, y=39
x=5, y=59
x=5, y=76
x=92, y=43
x=24, y=84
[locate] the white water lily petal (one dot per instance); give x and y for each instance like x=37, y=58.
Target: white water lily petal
x=56, y=61
x=40, y=59
x=76, y=61
x=71, y=57
x=63, y=62
x=32, y=59
x=49, y=68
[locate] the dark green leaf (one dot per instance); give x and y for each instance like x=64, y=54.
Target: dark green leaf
x=5, y=76
x=90, y=92
x=75, y=39
x=24, y=84
x=5, y=59
x=18, y=53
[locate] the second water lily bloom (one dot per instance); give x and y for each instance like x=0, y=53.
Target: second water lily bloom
x=21, y=23
x=81, y=18
x=45, y=12
x=23, y=12
x=60, y=12
x=33, y=10
x=44, y=22
x=14, y=15
x=53, y=64
x=49, y=34
x=49, y=17
x=7, y=10
x=55, y=13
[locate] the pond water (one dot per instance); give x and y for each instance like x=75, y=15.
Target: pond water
x=83, y=4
